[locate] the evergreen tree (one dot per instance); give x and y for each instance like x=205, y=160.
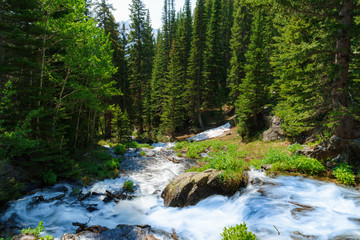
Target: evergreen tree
x=173, y=116
x=240, y=39
x=254, y=87
x=214, y=65
x=195, y=82
x=140, y=61
x=158, y=81
x=328, y=62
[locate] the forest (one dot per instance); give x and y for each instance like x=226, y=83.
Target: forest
x=70, y=75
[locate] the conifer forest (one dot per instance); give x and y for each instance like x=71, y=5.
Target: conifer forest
x=71, y=76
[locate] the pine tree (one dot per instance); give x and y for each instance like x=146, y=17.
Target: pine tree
x=214, y=65
x=194, y=85
x=325, y=54
x=158, y=81
x=140, y=61
x=173, y=115
x=254, y=87
x=240, y=39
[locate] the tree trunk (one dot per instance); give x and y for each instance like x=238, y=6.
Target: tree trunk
x=108, y=118
x=348, y=127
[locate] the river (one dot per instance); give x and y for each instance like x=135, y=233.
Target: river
x=294, y=207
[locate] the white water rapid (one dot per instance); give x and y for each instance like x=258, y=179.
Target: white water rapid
x=298, y=208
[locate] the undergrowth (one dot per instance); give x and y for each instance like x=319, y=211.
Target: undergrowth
x=238, y=232
x=36, y=232
x=344, y=174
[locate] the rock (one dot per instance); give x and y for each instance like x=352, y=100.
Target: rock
x=275, y=131
x=121, y=232
x=82, y=197
x=335, y=151
x=25, y=237
x=151, y=237
x=266, y=167
x=191, y=187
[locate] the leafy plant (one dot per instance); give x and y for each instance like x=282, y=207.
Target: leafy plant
x=295, y=147
x=239, y=232
x=129, y=186
x=119, y=149
x=282, y=161
x=143, y=153
x=344, y=174
x=49, y=177
x=36, y=232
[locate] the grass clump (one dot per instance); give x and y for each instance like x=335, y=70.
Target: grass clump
x=195, y=148
x=137, y=145
x=344, y=174
x=119, y=149
x=142, y=153
x=129, y=186
x=239, y=232
x=98, y=165
x=36, y=232
x=282, y=161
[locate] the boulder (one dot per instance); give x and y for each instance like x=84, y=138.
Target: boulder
x=121, y=232
x=192, y=187
x=335, y=151
x=275, y=131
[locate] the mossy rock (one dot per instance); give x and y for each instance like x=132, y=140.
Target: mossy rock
x=192, y=187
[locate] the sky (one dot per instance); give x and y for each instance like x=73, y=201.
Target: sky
x=122, y=12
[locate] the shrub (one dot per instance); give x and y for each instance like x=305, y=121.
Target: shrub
x=112, y=164
x=100, y=155
x=49, y=177
x=281, y=161
x=143, y=153
x=36, y=232
x=344, y=174
x=239, y=232
x=129, y=186
x=295, y=147
x=119, y=149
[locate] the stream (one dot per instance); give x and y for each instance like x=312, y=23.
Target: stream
x=295, y=207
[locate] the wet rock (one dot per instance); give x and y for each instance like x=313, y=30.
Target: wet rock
x=81, y=236
x=60, y=189
x=25, y=237
x=151, y=237
x=300, y=236
x=82, y=197
x=92, y=208
x=191, y=187
x=266, y=167
x=275, y=131
x=59, y=197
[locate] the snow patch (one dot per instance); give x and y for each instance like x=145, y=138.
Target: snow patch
x=215, y=132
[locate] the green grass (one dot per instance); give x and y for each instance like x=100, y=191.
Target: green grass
x=344, y=174
x=137, y=145
x=119, y=149
x=98, y=165
x=284, y=162
x=238, y=232
x=129, y=186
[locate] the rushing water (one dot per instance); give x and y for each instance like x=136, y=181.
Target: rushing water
x=298, y=208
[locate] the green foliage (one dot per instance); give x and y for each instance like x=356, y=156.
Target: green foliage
x=49, y=177
x=239, y=232
x=137, y=145
x=253, y=89
x=295, y=147
x=119, y=149
x=113, y=164
x=9, y=190
x=121, y=125
x=142, y=153
x=36, y=232
x=282, y=161
x=129, y=186
x=344, y=174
